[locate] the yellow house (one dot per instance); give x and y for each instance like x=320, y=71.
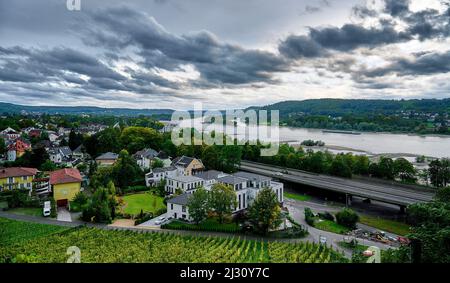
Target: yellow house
x=65, y=184
x=17, y=178
x=189, y=165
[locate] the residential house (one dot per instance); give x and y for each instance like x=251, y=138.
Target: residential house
x=79, y=152
x=60, y=155
x=34, y=133
x=189, y=165
x=187, y=184
x=107, y=159
x=17, y=148
x=9, y=134
x=177, y=207
x=155, y=176
x=145, y=157
x=240, y=187
x=17, y=178
x=165, y=158
x=52, y=136
x=65, y=184
x=246, y=185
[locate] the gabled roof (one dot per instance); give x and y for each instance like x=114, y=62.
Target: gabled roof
x=108, y=156
x=183, y=161
x=186, y=179
x=17, y=172
x=181, y=199
x=146, y=153
x=63, y=176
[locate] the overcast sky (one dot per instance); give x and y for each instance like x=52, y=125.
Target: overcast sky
x=223, y=53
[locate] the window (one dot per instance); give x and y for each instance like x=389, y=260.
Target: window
x=24, y=178
x=183, y=209
x=239, y=198
x=10, y=180
x=243, y=200
x=171, y=206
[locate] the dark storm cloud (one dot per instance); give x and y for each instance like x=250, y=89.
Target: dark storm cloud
x=423, y=64
x=218, y=62
x=425, y=24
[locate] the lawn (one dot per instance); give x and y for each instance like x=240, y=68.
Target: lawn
x=297, y=196
x=12, y=231
x=330, y=226
x=386, y=225
x=210, y=224
x=32, y=211
x=143, y=201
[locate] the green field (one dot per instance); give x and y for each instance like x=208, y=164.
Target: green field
x=107, y=246
x=12, y=231
x=330, y=226
x=298, y=197
x=143, y=201
x=32, y=211
x=386, y=225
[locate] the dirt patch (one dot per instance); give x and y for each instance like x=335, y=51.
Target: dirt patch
x=123, y=223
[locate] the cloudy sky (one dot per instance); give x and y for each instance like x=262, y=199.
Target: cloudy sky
x=223, y=53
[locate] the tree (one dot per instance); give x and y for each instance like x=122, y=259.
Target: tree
x=347, y=217
x=439, y=172
x=210, y=157
x=137, y=138
x=230, y=158
x=75, y=140
x=265, y=211
x=222, y=200
x=157, y=163
x=404, y=170
x=125, y=170
x=48, y=165
x=99, y=207
x=2, y=146
x=198, y=205
x=340, y=168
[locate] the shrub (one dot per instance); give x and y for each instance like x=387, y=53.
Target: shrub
x=347, y=217
x=53, y=210
x=309, y=216
x=135, y=189
x=326, y=215
x=143, y=218
x=160, y=211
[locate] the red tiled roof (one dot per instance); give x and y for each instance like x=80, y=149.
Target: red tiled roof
x=63, y=176
x=17, y=172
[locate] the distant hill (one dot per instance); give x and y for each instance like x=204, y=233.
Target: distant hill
x=340, y=107
x=77, y=110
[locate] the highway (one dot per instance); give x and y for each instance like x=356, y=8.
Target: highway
x=387, y=193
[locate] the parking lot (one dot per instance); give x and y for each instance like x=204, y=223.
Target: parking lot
x=154, y=222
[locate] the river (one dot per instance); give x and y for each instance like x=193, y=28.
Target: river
x=366, y=143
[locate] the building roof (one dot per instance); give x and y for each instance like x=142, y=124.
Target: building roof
x=19, y=145
x=108, y=156
x=162, y=155
x=252, y=177
x=209, y=175
x=181, y=199
x=186, y=179
x=231, y=180
x=164, y=169
x=183, y=161
x=63, y=176
x=17, y=172
x=146, y=153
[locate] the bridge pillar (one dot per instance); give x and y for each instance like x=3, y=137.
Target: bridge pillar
x=402, y=209
x=348, y=200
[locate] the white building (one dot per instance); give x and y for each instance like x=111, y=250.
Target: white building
x=187, y=184
x=177, y=207
x=154, y=177
x=246, y=185
x=59, y=155
x=145, y=157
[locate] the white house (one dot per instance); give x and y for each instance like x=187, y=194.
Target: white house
x=145, y=157
x=240, y=187
x=154, y=177
x=177, y=207
x=60, y=154
x=210, y=177
x=187, y=184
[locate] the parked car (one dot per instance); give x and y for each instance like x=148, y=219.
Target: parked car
x=160, y=220
x=47, y=208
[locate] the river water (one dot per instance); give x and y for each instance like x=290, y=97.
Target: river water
x=366, y=143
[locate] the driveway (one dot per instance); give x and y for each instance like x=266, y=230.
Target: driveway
x=151, y=222
x=64, y=215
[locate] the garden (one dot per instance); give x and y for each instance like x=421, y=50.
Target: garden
x=130, y=246
x=133, y=204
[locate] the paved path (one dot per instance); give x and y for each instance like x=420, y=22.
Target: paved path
x=63, y=215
